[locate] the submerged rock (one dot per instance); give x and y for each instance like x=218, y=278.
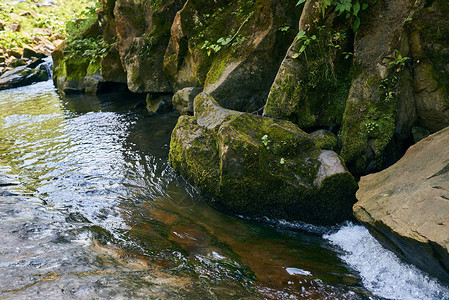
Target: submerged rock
x=258, y=166
x=406, y=206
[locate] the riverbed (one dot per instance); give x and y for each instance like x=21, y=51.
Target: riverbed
x=95, y=211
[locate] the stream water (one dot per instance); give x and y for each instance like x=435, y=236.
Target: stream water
x=99, y=214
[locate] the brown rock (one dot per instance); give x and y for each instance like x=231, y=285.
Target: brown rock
x=15, y=26
x=407, y=205
x=43, y=31
x=143, y=32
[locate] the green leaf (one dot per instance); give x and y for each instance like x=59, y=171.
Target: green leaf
x=301, y=35
x=356, y=8
x=282, y=161
x=302, y=49
x=296, y=55
x=364, y=6
x=343, y=6
x=356, y=24
x=300, y=2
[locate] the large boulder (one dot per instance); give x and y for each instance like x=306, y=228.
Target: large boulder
x=407, y=205
x=232, y=48
x=258, y=166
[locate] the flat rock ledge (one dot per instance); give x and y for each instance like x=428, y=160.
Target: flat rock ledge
x=406, y=207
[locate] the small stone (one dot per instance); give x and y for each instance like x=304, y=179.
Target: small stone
x=15, y=27
x=43, y=31
x=183, y=100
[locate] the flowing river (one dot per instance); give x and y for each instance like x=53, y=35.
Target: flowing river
x=99, y=214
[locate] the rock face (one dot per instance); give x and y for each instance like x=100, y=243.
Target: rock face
x=143, y=32
x=257, y=166
x=401, y=84
x=312, y=83
x=183, y=100
x=232, y=48
x=407, y=205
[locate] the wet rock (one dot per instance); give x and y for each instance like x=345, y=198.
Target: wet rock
x=407, y=205
x=324, y=139
x=14, y=63
x=183, y=100
x=157, y=103
x=92, y=83
x=21, y=76
x=254, y=165
x=230, y=48
x=16, y=52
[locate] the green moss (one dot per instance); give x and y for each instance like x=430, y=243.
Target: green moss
x=315, y=86
x=371, y=119
x=217, y=68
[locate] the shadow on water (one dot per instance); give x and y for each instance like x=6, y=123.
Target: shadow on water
x=99, y=166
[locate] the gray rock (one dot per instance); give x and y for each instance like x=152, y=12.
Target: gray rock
x=419, y=133
x=183, y=100
x=21, y=76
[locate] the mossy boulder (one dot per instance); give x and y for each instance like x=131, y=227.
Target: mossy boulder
x=257, y=166
x=313, y=81
x=232, y=48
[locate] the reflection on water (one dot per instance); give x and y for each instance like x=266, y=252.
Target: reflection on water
x=107, y=217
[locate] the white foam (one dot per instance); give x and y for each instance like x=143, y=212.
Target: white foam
x=382, y=272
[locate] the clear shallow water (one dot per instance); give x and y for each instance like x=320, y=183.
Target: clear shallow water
x=106, y=217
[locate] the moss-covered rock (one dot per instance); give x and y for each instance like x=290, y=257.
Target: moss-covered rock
x=325, y=139
x=313, y=81
x=257, y=166
x=232, y=48
x=429, y=36
x=380, y=110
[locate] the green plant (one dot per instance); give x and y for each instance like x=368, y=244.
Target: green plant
x=305, y=41
x=266, y=141
x=399, y=60
x=349, y=8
